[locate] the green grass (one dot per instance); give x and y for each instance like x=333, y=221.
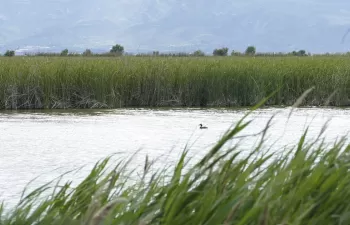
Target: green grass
x=96, y=82
x=308, y=184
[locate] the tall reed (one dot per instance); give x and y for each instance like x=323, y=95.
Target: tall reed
x=310, y=184
x=89, y=82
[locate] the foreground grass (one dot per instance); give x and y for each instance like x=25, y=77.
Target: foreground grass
x=60, y=82
x=308, y=185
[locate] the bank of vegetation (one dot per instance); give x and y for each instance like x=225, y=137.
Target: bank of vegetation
x=305, y=184
x=118, y=50
x=109, y=82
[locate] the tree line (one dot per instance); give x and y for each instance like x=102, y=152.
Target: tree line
x=118, y=50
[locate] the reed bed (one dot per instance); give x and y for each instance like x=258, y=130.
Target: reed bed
x=96, y=82
x=308, y=184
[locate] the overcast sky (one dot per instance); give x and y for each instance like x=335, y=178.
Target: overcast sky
x=270, y=25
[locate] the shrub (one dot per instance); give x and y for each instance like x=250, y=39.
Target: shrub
x=64, y=52
x=87, y=52
x=9, y=53
x=250, y=50
x=220, y=52
x=198, y=53
x=117, y=49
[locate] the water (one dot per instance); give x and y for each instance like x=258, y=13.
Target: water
x=47, y=144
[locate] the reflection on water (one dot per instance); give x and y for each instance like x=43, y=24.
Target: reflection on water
x=49, y=143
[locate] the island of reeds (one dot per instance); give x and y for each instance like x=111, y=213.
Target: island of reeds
x=305, y=184
x=116, y=79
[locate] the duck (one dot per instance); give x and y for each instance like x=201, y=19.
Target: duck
x=202, y=127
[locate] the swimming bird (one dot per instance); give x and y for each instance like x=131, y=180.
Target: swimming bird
x=202, y=127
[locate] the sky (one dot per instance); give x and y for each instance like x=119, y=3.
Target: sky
x=316, y=26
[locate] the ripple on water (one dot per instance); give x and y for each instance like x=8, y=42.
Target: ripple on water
x=49, y=143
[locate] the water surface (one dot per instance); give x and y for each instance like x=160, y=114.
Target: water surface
x=49, y=143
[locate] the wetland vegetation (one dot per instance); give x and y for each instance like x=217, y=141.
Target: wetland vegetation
x=127, y=81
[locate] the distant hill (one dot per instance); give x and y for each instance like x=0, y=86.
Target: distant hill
x=175, y=25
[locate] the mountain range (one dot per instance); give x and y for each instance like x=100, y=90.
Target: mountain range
x=175, y=25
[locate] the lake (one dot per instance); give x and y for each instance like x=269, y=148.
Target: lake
x=49, y=143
